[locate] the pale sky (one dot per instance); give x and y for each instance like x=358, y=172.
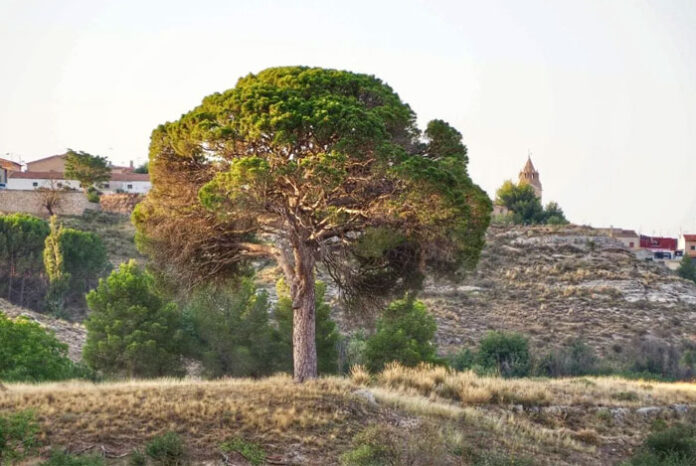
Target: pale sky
x=602, y=92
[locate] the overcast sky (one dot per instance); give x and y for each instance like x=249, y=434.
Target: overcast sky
x=603, y=93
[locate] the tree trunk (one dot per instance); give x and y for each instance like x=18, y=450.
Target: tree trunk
x=304, y=347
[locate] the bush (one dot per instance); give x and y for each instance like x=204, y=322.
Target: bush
x=576, y=359
x=326, y=333
x=231, y=332
x=28, y=353
x=656, y=357
x=93, y=195
x=687, y=268
x=675, y=445
x=249, y=450
x=506, y=353
x=61, y=458
x=462, y=360
x=18, y=436
x=132, y=330
x=405, y=333
x=375, y=445
x=167, y=450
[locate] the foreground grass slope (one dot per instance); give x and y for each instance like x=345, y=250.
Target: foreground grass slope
x=441, y=417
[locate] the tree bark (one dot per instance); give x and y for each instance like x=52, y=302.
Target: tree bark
x=304, y=347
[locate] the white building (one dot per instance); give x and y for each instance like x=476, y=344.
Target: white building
x=138, y=183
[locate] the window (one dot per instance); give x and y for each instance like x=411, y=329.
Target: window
x=631, y=244
x=106, y=185
x=60, y=185
x=130, y=186
x=693, y=248
x=35, y=184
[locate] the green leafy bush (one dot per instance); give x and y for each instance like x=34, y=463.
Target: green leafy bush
x=167, y=449
x=326, y=334
x=506, y=353
x=249, y=450
x=132, y=330
x=231, y=332
x=462, y=360
x=62, y=458
x=405, y=333
x=18, y=436
x=28, y=353
x=687, y=268
x=675, y=446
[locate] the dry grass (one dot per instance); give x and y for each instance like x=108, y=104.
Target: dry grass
x=556, y=421
x=470, y=389
x=273, y=412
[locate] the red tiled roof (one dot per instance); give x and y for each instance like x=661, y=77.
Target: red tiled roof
x=59, y=176
x=689, y=237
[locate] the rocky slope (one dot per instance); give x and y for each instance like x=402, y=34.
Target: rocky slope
x=559, y=283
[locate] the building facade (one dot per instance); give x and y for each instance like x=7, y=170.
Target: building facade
x=136, y=183
x=629, y=238
x=7, y=167
x=687, y=243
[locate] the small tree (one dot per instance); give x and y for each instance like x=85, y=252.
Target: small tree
x=687, y=268
x=231, y=331
x=405, y=333
x=51, y=197
x=553, y=214
x=525, y=206
x=326, y=332
x=28, y=353
x=86, y=168
x=54, y=263
x=132, y=331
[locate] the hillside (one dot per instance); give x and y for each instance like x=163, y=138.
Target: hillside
x=558, y=283
x=431, y=416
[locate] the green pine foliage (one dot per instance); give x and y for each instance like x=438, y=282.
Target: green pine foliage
x=231, y=332
x=687, y=268
x=132, y=330
x=28, y=353
x=405, y=333
x=506, y=353
x=326, y=334
x=22, y=239
x=86, y=168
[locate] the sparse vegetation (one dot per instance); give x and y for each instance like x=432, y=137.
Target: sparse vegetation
x=18, y=436
x=167, y=450
x=249, y=450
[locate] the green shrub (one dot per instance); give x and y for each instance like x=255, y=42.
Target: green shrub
x=93, y=195
x=167, y=450
x=61, y=458
x=687, y=268
x=376, y=445
x=575, y=359
x=355, y=350
x=137, y=458
x=326, y=333
x=405, y=333
x=28, y=353
x=231, y=332
x=462, y=360
x=506, y=353
x=675, y=445
x=249, y=450
x=500, y=459
x=18, y=436
x=132, y=330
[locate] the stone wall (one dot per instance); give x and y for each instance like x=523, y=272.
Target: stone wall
x=120, y=203
x=72, y=203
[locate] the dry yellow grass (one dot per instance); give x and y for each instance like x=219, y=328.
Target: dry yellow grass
x=561, y=421
x=274, y=412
